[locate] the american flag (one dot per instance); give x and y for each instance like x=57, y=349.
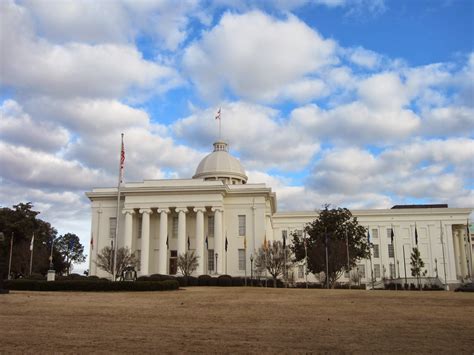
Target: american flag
x=218, y=115
x=122, y=160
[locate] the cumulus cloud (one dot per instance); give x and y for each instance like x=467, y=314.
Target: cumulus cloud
x=255, y=55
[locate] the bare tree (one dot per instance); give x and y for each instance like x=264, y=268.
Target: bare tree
x=273, y=259
x=187, y=263
x=105, y=260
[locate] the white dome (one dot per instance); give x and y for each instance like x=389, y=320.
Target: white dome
x=220, y=165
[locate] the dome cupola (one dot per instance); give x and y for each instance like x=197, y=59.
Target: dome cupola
x=220, y=165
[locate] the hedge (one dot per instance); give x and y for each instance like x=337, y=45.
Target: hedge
x=90, y=285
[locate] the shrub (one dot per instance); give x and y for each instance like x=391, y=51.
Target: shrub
x=35, y=276
x=224, y=280
x=143, y=278
x=90, y=285
x=213, y=281
x=203, y=280
x=238, y=281
x=192, y=281
x=159, y=277
x=183, y=281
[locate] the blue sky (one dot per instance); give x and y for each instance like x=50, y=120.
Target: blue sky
x=357, y=103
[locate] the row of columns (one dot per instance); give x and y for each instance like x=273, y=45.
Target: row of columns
x=163, y=235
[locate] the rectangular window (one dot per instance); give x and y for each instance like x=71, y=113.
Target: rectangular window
x=361, y=271
x=391, y=253
x=242, y=225
x=376, y=251
x=300, y=271
x=375, y=233
x=138, y=255
x=175, y=227
x=210, y=226
x=392, y=271
x=377, y=271
x=241, y=259
x=210, y=260
x=112, y=227
x=139, y=227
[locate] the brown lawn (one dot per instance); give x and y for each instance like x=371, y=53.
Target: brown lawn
x=237, y=320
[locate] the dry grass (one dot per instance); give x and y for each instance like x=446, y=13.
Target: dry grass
x=240, y=320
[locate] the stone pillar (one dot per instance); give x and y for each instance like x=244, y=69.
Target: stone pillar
x=128, y=228
x=181, y=229
x=163, y=253
x=457, y=254
x=218, y=238
x=200, y=239
x=145, y=248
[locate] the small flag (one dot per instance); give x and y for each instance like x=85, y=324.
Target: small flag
x=122, y=160
x=284, y=240
x=218, y=114
x=368, y=235
x=189, y=243
x=468, y=231
x=391, y=235
x=416, y=236
x=245, y=242
x=32, y=241
x=207, y=243
x=226, y=243
x=167, y=242
x=92, y=242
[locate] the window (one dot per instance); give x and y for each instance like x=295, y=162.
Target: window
x=241, y=259
x=377, y=271
x=138, y=255
x=210, y=226
x=112, y=227
x=175, y=227
x=300, y=271
x=210, y=260
x=375, y=233
x=361, y=271
x=139, y=227
x=391, y=253
x=392, y=271
x=376, y=251
x=242, y=225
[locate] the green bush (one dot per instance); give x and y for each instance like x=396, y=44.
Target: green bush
x=238, y=281
x=192, y=281
x=90, y=285
x=203, y=280
x=224, y=280
x=35, y=277
x=182, y=280
x=157, y=277
x=213, y=281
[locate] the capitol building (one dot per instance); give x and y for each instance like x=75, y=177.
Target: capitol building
x=161, y=219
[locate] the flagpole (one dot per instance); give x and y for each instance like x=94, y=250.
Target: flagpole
x=32, y=245
x=10, y=260
x=392, y=235
x=327, y=258
x=348, y=260
x=405, y=265
x=305, y=258
x=469, y=245
x=444, y=260
x=117, y=216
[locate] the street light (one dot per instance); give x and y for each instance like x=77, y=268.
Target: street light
x=251, y=269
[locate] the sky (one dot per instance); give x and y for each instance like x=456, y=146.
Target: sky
x=355, y=103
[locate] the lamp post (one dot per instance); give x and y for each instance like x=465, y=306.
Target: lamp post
x=251, y=269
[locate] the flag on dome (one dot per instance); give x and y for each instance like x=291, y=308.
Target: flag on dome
x=218, y=114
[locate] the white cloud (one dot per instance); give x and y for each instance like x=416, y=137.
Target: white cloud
x=364, y=57
x=17, y=127
x=256, y=55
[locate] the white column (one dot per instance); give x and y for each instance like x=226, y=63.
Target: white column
x=181, y=229
x=200, y=239
x=145, y=248
x=457, y=254
x=163, y=253
x=218, y=238
x=128, y=228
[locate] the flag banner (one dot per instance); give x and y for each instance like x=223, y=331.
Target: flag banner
x=284, y=241
x=416, y=236
x=226, y=243
x=32, y=242
x=122, y=160
x=167, y=242
x=189, y=243
x=468, y=231
x=368, y=236
x=245, y=242
x=92, y=242
x=207, y=243
x=391, y=235
x=218, y=114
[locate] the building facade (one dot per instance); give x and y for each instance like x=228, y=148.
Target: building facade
x=224, y=220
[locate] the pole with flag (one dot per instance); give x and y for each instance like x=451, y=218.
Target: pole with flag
x=117, y=217
x=226, y=245
x=392, y=239
x=416, y=236
x=327, y=257
x=305, y=241
x=284, y=254
x=265, y=250
x=189, y=243
x=218, y=117
x=245, y=259
x=10, y=259
x=370, y=257
x=468, y=255
x=348, y=260
x=207, y=254
x=31, y=252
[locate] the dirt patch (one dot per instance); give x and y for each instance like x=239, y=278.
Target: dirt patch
x=244, y=320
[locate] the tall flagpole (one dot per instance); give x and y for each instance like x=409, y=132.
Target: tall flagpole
x=117, y=216
x=327, y=258
x=305, y=258
x=469, y=245
x=32, y=244
x=10, y=260
x=348, y=260
x=218, y=117
x=392, y=236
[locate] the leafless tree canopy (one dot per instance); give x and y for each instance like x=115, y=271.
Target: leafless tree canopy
x=105, y=260
x=187, y=263
x=272, y=259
